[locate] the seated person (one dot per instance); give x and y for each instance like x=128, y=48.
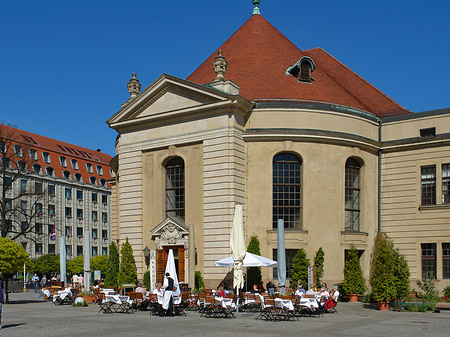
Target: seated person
x=141, y=289
x=261, y=287
x=331, y=303
x=159, y=291
x=311, y=290
x=220, y=292
x=255, y=289
x=323, y=294
x=300, y=291
x=270, y=287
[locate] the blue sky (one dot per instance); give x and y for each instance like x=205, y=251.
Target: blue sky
x=64, y=65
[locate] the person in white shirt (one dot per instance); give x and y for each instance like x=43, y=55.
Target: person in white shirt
x=311, y=290
x=331, y=303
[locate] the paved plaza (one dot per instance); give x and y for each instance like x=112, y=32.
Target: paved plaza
x=27, y=315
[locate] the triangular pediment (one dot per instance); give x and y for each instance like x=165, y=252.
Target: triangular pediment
x=170, y=230
x=168, y=96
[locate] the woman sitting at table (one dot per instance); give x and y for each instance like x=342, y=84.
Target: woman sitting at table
x=255, y=289
x=311, y=290
x=158, y=290
x=331, y=303
x=323, y=294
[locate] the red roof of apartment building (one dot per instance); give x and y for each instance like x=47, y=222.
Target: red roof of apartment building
x=258, y=56
x=50, y=153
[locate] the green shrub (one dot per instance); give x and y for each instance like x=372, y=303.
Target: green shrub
x=447, y=292
x=147, y=280
x=127, y=269
x=76, y=265
x=430, y=295
x=319, y=260
x=253, y=273
x=299, y=270
x=199, y=283
x=112, y=269
x=353, y=278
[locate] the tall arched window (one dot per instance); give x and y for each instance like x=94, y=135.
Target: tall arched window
x=352, y=194
x=175, y=187
x=286, y=190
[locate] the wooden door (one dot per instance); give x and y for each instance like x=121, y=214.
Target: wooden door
x=161, y=261
x=160, y=265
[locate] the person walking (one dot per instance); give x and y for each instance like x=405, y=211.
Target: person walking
x=35, y=281
x=2, y=298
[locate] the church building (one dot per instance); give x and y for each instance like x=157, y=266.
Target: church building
x=289, y=134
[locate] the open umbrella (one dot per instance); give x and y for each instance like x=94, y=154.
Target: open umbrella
x=250, y=260
x=281, y=256
x=238, y=249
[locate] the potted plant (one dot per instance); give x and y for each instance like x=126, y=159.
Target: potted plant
x=383, y=267
x=353, y=279
x=88, y=296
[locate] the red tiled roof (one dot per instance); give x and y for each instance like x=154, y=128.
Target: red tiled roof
x=57, y=149
x=258, y=56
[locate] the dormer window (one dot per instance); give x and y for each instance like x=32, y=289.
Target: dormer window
x=18, y=150
x=63, y=161
x=74, y=164
x=99, y=170
x=46, y=157
x=33, y=154
x=78, y=177
x=89, y=168
x=66, y=174
x=36, y=168
x=302, y=69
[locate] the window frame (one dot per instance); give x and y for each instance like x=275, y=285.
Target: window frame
x=175, y=188
x=428, y=185
x=428, y=261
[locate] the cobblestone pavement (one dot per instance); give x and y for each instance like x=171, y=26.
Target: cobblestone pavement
x=27, y=315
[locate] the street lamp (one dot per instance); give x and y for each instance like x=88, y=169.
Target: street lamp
x=147, y=256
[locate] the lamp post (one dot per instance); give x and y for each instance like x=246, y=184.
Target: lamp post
x=147, y=256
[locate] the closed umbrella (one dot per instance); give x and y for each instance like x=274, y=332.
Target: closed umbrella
x=281, y=256
x=238, y=249
x=170, y=268
x=87, y=261
x=62, y=258
x=191, y=250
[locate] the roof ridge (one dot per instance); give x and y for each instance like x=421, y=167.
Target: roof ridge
x=361, y=78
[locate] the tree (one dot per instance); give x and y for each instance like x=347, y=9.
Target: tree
x=299, y=270
x=47, y=264
x=127, y=268
x=99, y=262
x=353, y=278
x=12, y=259
x=319, y=259
x=113, y=266
x=20, y=208
x=382, y=276
x=253, y=273
x=146, y=280
x=76, y=265
x=402, y=275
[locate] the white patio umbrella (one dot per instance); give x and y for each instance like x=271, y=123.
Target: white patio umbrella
x=250, y=260
x=87, y=260
x=62, y=258
x=238, y=249
x=170, y=268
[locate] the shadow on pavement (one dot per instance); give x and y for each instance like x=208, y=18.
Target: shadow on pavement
x=6, y=326
x=25, y=301
x=371, y=306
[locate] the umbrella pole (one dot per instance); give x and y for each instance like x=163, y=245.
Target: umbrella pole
x=237, y=299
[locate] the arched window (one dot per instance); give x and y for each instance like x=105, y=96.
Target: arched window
x=175, y=187
x=78, y=177
x=352, y=194
x=36, y=168
x=93, y=180
x=286, y=190
x=50, y=171
x=66, y=174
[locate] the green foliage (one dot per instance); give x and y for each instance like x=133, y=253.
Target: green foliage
x=199, y=283
x=447, y=292
x=382, y=276
x=319, y=260
x=299, y=270
x=47, y=264
x=253, y=273
x=76, y=265
x=431, y=295
x=127, y=269
x=99, y=262
x=113, y=266
x=402, y=275
x=12, y=256
x=147, y=280
x=353, y=278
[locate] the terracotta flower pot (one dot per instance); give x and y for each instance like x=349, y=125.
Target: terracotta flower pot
x=88, y=298
x=353, y=298
x=383, y=306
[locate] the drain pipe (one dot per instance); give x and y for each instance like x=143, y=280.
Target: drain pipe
x=379, y=175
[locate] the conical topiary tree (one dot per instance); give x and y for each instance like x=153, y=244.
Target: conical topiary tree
x=146, y=280
x=253, y=273
x=299, y=270
x=319, y=259
x=113, y=266
x=402, y=275
x=382, y=276
x=127, y=268
x=353, y=278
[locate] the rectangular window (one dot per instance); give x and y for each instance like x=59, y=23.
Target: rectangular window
x=68, y=250
x=428, y=259
x=51, y=190
x=79, y=214
x=68, y=212
x=79, y=250
x=104, y=234
x=446, y=260
x=38, y=187
x=38, y=248
x=105, y=217
x=23, y=185
x=446, y=183
x=94, y=251
x=80, y=232
x=429, y=185
x=23, y=205
x=94, y=234
x=38, y=208
x=63, y=161
x=46, y=157
x=7, y=182
x=38, y=228
x=99, y=170
x=74, y=164
x=51, y=210
x=89, y=168
x=104, y=199
x=94, y=216
x=290, y=254
x=68, y=193
x=33, y=154
x=8, y=204
x=105, y=251
x=79, y=195
x=52, y=249
x=68, y=231
x=23, y=225
x=94, y=197
x=18, y=150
